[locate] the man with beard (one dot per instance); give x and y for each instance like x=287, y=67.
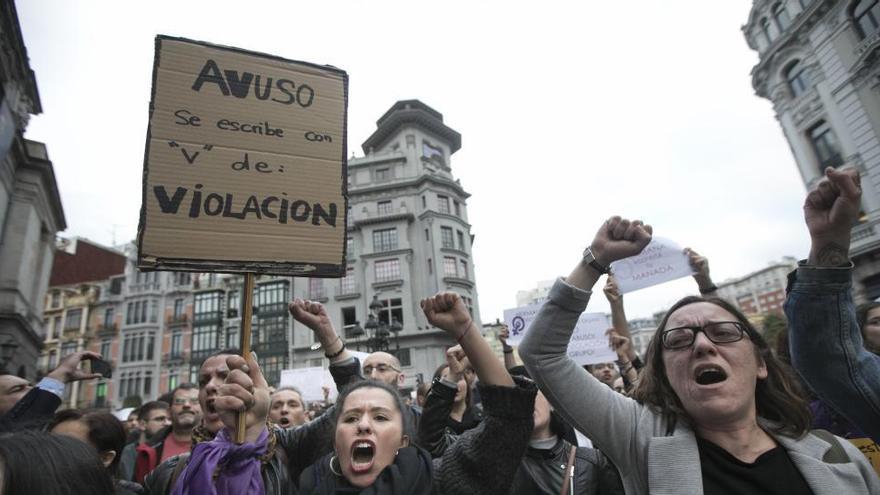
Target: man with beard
x=153, y=419
x=176, y=439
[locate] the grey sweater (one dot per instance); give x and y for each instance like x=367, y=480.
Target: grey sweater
x=635, y=437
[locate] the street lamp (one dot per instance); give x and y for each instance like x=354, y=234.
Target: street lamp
x=378, y=333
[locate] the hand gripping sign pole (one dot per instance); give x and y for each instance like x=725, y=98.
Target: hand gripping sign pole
x=245, y=346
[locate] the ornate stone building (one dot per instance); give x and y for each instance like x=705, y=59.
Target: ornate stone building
x=818, y=64
x=30, y=207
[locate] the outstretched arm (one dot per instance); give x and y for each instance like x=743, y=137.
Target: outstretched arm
x=618, y=316
x=700, y=264
x=448, y=312
x=313, y=315
x=826, y=342
x=507, y=350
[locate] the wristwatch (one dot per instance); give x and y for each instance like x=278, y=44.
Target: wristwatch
x=590, y=260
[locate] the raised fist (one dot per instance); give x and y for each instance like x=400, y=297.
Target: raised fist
x=612, y=292
x=447, y=311
x=830, y=211
x=313, y=315
x=619, y=238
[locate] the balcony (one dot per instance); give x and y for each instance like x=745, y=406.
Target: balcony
x=868, y=44
x=176, y=320
x=107, y=329
x=174, y=357
x=387, y=214
x=318, y=294
x=462, y=282
x=865, y=237
x=143, y=288
x=349, y=291
x=213, y=318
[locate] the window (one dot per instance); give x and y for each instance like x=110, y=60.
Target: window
x=56, y=295
x=449, y=266
x=53, y=360
x=273, y=332
x=316, y=288
x=469, y=303
x=154, y=311
x=272, y=296
x=403, y=355
x=108, y=317
x=348, y=285
x=430, y=266
x=384, y=240
x=867, y=16
x=73, y=319
x=443, y=204
x=383, y=207
x=148, y=382
x=427, y=235
x=232, y=337
x=382, y=174
x=138, y=346
x=272, y=366
x=446, y=239
x=176, y=344
x=349, y=246
x=780, y=15
x=349, y=317
x=432, y=152
x=207, y=305
x=457, y=206
x=178, y=309
x=798, y=82
x=204, y=338
x=172, y=381
x=766, y=30
x=464, y=268
x=105, y=349
x=825, y=146
x=56, y=327
x=460, y=236
x=387, y=270
x=392, y=309
x=137, y=312
x=68, y=348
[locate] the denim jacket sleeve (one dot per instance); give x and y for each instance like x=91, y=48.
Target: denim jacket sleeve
x=826, y=344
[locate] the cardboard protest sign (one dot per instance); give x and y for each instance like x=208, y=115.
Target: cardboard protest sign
x=661, y=261
x=588, y=344
x=309, y=381
x=870, y=449
x=245, y=163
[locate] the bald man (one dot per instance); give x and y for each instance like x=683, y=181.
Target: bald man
x=383, y=367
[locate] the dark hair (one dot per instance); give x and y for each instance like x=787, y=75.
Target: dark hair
x=37, y=462
x=862, y=318
x=229, y=350
x=392, y=391
x=183, y=386
x=778, y=397
x=149, y=407
x=438, y=373
x=105, y=431
x=290, y=388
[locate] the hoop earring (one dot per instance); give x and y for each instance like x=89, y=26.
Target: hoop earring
x=333, y=470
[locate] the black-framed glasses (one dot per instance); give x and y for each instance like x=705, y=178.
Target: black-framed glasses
x=720, y=332
x=381, y=368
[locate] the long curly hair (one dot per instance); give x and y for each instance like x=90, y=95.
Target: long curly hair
x=779, y=397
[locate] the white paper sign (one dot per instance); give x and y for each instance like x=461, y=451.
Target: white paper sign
x=588, y=343
x=661, y=261
x=361, y=356
x=519, y=320
x=309, y=381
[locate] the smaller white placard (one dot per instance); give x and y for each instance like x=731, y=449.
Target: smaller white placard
x=309, y=381
x=519, y=320
x=661, y=261
x=588, y=344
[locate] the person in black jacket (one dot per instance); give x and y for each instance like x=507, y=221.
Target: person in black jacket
x=25, y=406
x=289, y=451
x=372, y=453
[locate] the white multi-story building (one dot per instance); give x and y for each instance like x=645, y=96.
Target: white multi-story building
x=534, y=296
x=818, y=64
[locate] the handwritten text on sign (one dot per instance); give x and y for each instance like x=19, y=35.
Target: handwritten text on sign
x=588, y=344
x=661, y=261
x=245, y=163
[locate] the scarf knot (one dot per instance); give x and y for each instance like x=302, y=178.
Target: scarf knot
x=221, y=467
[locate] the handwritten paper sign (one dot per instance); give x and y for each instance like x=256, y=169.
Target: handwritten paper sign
x=245, y=163
x=661, y=261
x=588, y=344
x=309, y=381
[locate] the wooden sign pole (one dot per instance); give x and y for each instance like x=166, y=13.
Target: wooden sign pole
x=245, y=346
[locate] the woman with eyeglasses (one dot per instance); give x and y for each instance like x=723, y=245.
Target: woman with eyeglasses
x=714, y=410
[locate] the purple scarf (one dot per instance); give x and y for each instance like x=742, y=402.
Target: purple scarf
x=239, y=473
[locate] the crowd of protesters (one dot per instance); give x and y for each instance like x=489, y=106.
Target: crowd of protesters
x=709, y=408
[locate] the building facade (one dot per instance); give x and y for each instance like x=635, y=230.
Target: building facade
x=760, y=292
x=30, y=207
x=534, y=296
x=818, y=65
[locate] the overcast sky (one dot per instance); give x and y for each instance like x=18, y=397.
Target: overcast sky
x=569, y=112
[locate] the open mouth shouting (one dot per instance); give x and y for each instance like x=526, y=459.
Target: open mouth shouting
x=362, y=455
x=709, y=374
x=284, y=422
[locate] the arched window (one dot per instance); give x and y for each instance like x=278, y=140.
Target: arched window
x=780, y=15
x=825, y=146
x=798, y=79
x=866, y=13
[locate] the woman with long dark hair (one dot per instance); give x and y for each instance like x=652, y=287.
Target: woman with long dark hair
x=714, y=411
